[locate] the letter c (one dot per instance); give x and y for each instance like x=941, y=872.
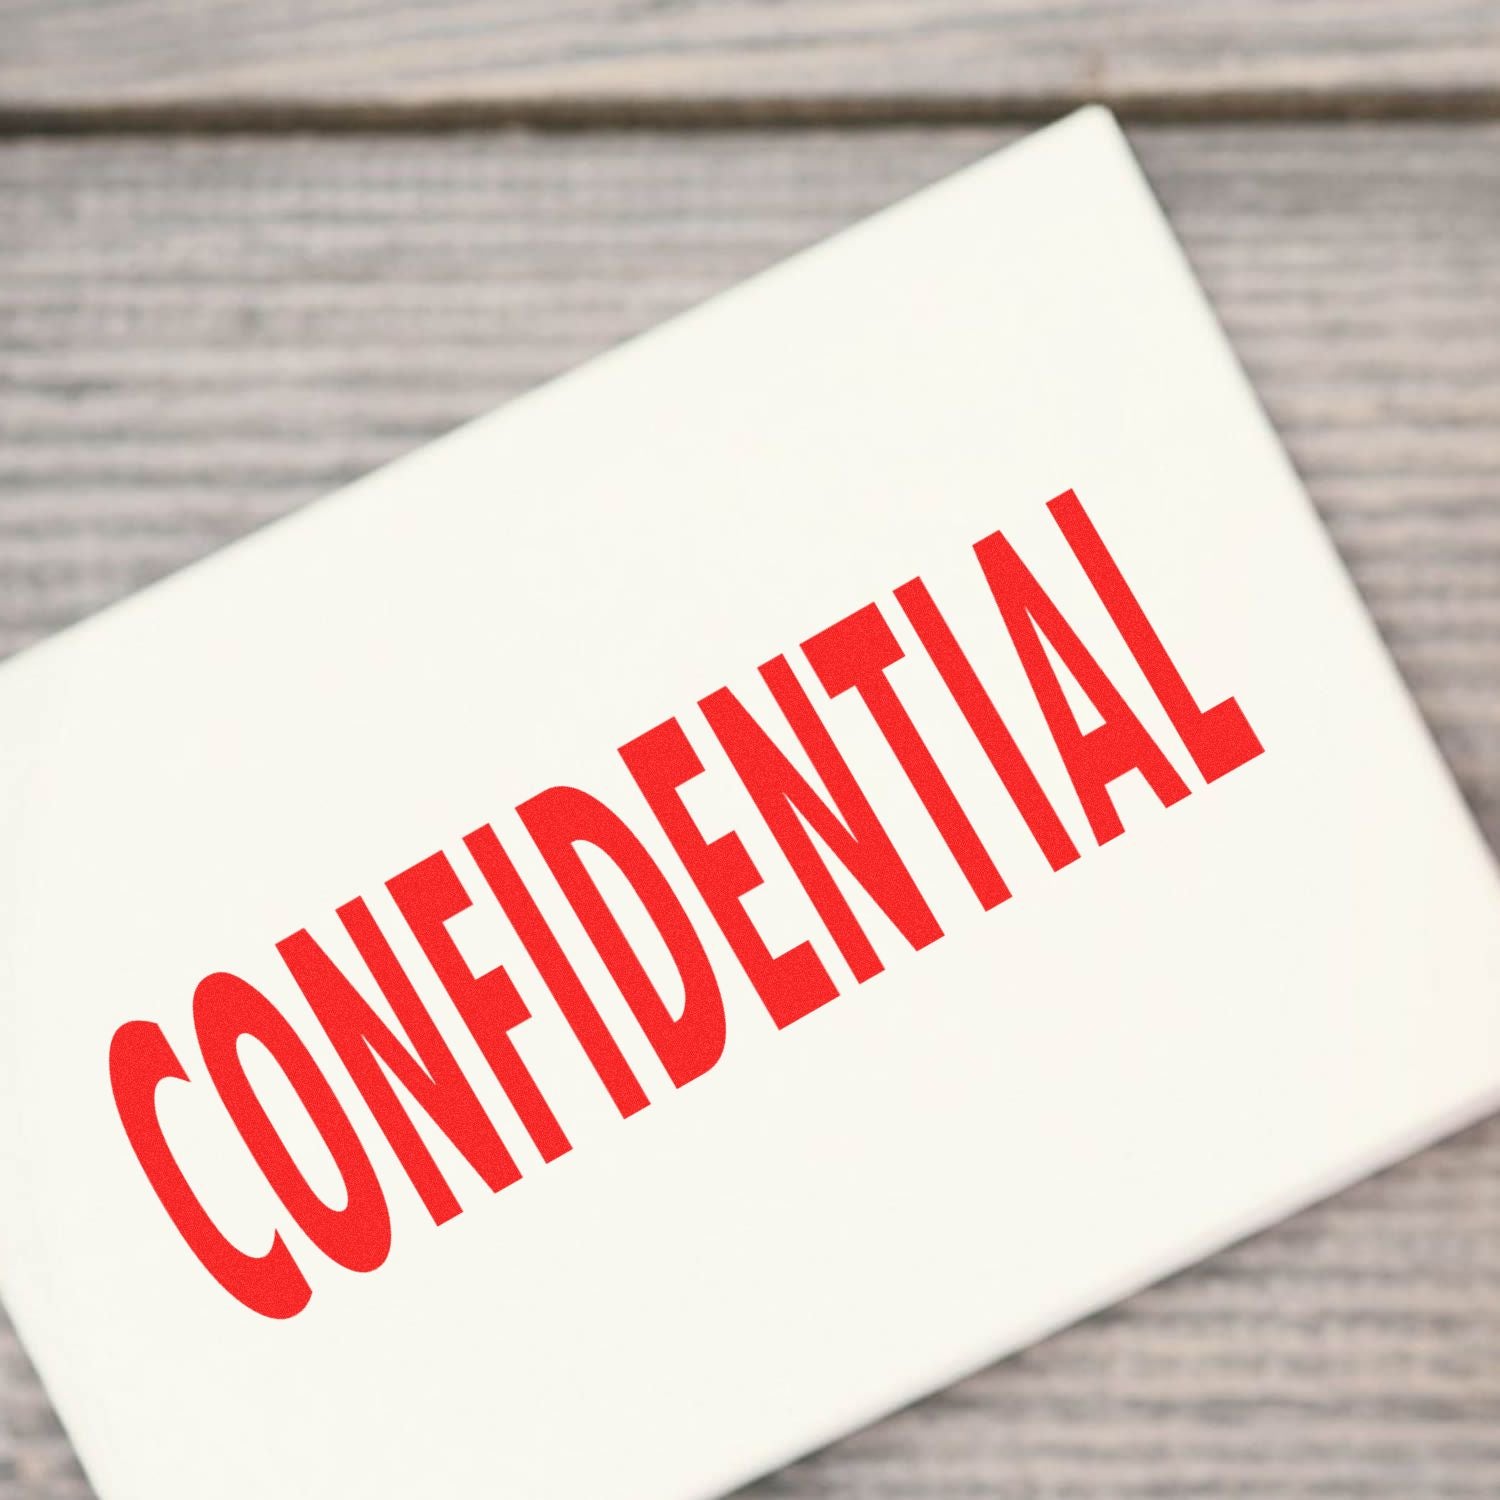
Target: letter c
x=140, y=1059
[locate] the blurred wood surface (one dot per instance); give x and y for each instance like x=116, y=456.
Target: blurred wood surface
x=198, y=333
x=338, y=60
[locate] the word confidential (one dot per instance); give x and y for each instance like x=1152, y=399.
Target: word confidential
x=814, y=826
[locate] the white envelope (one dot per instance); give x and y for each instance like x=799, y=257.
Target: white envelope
x=1085, y=895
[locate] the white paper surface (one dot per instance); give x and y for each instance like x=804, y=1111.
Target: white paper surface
x=1251, y=997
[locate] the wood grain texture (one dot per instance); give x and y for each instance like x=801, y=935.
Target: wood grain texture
x=197, y=336
x=350, y=59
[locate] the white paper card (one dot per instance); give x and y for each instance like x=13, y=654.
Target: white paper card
x=1038, y=927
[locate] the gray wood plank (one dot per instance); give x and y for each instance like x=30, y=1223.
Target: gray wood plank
x=197, y=336
x=241, y=59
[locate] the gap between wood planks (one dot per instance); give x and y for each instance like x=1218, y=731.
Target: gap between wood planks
x=560, y=113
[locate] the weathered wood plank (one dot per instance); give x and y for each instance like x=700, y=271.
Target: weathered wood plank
x=244, y=58
x=198, y=336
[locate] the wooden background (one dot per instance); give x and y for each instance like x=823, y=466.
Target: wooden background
x=250, y=249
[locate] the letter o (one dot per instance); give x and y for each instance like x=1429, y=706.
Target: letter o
x=226, y=1008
